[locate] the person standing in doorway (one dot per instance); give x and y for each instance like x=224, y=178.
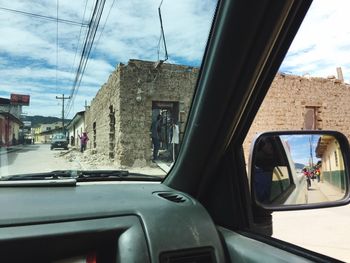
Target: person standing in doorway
x=155, y=129
x=83, y=141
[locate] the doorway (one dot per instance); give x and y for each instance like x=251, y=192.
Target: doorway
x=169, y=112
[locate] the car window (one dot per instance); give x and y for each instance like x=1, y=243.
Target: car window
x=114, y=78
x=61, y=136
x=311, y=92
x=273, y=178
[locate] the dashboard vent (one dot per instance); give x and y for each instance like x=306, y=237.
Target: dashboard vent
x=188, y=256
x=173, y=197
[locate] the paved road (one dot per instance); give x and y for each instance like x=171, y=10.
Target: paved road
x=33, y=159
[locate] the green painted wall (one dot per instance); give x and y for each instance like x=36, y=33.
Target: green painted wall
x=335, y=178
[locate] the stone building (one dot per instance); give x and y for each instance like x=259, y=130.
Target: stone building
x=119, y=118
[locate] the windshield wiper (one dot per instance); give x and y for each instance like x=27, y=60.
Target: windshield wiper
x=73, y=176
x=61, y=174
x=54, y=178
x=113, y=175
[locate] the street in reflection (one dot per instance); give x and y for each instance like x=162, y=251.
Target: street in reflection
x=298, y=169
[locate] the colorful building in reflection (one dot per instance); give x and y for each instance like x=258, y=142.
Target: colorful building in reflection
x=332, y=169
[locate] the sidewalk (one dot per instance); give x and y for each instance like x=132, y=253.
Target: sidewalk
x=331, y=192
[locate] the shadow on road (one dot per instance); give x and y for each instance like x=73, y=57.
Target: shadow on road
x=8, y=158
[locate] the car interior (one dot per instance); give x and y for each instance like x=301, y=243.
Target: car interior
x=202, y=211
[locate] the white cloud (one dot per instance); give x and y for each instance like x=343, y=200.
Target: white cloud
x=323, y=41
x=28, y=45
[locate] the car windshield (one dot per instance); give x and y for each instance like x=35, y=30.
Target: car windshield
x=59, y=137
x=113, y=78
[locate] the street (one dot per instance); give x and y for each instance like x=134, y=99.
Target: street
x=33, y=159
x=38, y=158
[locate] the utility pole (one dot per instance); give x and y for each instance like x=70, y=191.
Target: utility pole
x=311, y=155
x=62, y=98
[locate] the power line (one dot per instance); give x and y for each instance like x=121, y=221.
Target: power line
x=76, y=50
x=75, y=55
x=98, y=40
x=57, y=45
x=89, y=41
x=44, y=17
x=84, y=56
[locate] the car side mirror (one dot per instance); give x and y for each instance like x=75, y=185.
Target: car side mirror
x=299, y=170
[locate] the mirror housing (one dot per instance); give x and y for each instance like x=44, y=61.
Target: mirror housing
x=295, y=170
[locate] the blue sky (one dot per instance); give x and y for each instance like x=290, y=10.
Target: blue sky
x=28, y=45
x=300, y=147
x=323, y=41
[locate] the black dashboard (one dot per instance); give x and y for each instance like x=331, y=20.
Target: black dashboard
x=115, y=222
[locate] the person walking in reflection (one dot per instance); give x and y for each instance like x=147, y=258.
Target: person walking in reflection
x=318, y=171
x=308, y=177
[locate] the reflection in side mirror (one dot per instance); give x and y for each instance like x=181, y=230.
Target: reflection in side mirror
x=294, y=168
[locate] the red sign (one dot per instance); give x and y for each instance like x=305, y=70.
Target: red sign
x=18, y=99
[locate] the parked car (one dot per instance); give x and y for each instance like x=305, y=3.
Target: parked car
x=59, y=141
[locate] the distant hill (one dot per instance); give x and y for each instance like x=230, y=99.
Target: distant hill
x=37, y=120
x=299, y=165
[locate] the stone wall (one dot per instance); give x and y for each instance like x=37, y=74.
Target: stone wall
x=289, y=98
x=131, y=89
x=97, y=116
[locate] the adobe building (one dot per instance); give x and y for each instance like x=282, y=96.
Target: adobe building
x=119, y=118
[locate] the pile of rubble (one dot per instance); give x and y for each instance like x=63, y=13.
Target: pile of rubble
x=91, y=160
x=87, y=160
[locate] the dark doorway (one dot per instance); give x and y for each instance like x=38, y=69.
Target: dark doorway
x=169, y=112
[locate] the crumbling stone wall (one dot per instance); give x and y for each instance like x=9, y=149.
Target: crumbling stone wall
x=131, y=89
x=142, y=83
x=288, y=99
x=97, y=116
